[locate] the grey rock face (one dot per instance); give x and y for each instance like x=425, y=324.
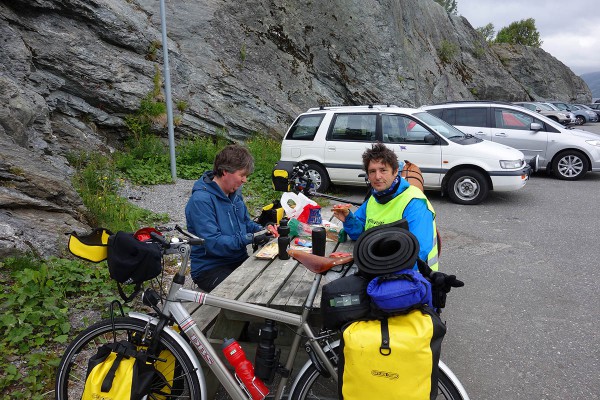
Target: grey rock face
x=72, y=70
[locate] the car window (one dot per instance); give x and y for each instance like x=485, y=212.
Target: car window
x=305, y=127
x=474, y=116
x=402, y=129
x=354, y=127
x=511, y=119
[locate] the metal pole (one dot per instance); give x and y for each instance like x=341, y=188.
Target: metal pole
x=167, y=73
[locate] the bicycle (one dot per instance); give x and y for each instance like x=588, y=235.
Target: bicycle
x=173, y=328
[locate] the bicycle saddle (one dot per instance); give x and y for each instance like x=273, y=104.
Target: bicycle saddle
x=318, y=264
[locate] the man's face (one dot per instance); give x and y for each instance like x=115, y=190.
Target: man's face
x=381, y=175
x=231, y=181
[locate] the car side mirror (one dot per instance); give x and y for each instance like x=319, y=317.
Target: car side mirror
x=431, y=139
x=535, y=126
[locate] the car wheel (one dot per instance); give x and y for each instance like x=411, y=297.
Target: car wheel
x=579, y=120
x=570, y=165
x=319, y=177
x=467, y=186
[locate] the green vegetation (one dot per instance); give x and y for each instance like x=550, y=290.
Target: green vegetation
x=487, y=32
x=520, y=32
x=449, y=5
x=447, y=51
x=35, y=307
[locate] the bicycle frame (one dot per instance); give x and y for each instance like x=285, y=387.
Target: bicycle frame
x=174, y=307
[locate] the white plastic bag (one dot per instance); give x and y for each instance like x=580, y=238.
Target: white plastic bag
x=299, y=199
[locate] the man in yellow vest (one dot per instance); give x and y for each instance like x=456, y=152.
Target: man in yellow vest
x=392, y=198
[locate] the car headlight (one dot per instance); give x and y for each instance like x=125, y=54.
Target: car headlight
x=561, y=115
x=511, y=164
x=593, y=142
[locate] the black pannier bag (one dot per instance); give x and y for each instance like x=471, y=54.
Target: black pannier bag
x=281, y=175
x=344, y=300
x=132, y=262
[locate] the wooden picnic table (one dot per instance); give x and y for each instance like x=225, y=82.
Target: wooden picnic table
x=275, y=283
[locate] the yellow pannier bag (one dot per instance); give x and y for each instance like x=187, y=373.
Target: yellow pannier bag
x=91, y=247
x=394, y=357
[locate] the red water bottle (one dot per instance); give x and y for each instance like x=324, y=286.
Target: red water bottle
x=244, y=369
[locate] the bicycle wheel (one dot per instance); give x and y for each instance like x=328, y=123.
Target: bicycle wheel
x=70, y=378
x=313, y=386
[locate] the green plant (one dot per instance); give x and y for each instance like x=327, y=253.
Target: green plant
x=478, y=51
x=182, y=105
x=243, y=53
x=447, y=51
x=520, y=32
x=449, y=5
x=34, y=317
x=153, y=49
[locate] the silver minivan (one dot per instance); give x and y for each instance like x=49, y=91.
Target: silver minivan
x=569, y=153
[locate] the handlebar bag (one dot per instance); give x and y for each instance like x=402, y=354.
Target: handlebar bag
x=344, y=300
x=393, y=358
x=131, y=261
x=400, y=291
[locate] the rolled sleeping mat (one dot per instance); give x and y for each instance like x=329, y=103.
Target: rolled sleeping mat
x=386, y=249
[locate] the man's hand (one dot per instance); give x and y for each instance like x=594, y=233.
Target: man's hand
x=259, y=240
x=341, y=211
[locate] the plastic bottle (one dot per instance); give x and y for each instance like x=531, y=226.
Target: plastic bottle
x=318, y=241
x=244, y=369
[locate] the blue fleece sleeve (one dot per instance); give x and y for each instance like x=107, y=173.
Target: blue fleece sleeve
x=354, y=224
x=420, y=224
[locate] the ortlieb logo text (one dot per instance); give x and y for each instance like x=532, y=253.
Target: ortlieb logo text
x=384, y=374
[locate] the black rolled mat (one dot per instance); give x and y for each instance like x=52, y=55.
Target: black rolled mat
x=386, y=248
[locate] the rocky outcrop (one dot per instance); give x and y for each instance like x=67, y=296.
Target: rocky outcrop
x=72, y=70
x=542, y=76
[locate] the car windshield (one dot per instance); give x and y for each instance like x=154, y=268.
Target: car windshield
x=442, y=127
x=552, y=106
x=545, y=107
x=583, y=106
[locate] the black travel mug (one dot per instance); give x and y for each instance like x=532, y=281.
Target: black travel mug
x=318, y=240
x=282, y=245
x=283, y=240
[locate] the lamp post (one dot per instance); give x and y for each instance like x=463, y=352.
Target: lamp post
x=167, y=74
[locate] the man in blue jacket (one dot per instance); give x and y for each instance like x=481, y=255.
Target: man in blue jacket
x=392, y=198
x=216, y=212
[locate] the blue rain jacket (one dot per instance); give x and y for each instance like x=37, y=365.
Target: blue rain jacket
x=222, y=221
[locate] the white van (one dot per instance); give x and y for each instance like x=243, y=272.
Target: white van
x=331, y=141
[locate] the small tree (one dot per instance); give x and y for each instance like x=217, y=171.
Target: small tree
x=521, y=32
x=449, y=5
x=487, y=32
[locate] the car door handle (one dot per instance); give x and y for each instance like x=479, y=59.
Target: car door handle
x=502, y=134
x=480, y=133
x=331, y=148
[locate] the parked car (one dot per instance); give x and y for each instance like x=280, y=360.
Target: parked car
x=558, y=116
x=569, y=153
x=594, y=106
x=586, y=114
x=569, y=113
x=331, y=141
x=581, y=116
x=588, y=108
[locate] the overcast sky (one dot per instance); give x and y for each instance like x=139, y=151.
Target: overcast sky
x=569, y=29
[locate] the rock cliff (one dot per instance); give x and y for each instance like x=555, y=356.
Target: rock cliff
x=72, y=70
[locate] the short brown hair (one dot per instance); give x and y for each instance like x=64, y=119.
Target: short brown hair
x=378, y=152
x=233, y=158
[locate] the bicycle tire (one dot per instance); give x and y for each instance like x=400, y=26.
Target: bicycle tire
x=71, y=374
x=312, y=386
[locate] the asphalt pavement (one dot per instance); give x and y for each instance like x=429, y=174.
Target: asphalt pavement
x=525, y=326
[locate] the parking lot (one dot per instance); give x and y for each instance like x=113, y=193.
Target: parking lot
x=525, y=326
